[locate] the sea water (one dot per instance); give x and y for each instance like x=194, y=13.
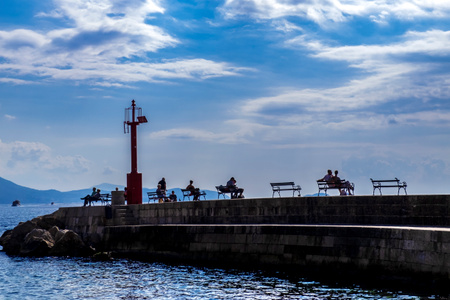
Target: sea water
x=83, y=278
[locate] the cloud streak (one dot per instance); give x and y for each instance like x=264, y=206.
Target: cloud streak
x=324, y=12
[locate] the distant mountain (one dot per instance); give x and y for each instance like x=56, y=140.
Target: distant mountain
x=10, y=191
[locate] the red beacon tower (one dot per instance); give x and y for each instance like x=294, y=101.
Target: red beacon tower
x=133, y=117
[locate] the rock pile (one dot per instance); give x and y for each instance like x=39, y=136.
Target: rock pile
x=42, y=236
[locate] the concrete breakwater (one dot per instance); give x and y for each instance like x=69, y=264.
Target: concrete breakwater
x=394, y=236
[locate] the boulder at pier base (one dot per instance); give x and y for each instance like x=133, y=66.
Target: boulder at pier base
x=37, y=243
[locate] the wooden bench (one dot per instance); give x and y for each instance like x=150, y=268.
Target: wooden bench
x=105, y=198
x=222, y=190
x=324, y=186
x=154, y=196
x=277, y=187
x=388, y=183
x=187, y=193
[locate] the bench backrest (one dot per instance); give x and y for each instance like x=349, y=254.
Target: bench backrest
x=380, y=182
x=330, y=182
x=385, y=180
x=186, y=192
x=222, y=189
x=281, y=183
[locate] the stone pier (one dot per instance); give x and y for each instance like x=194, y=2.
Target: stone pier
x=391, y=236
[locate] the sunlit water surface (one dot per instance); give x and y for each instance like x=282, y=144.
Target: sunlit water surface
x=83, y=278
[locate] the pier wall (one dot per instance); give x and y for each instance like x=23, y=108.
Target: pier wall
x=385, y=235
x=417, y=210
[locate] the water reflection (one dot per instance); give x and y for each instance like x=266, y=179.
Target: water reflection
x=64, y=278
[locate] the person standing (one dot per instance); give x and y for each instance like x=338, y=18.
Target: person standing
x=162, y=182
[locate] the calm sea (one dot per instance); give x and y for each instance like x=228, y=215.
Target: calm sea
x=82, y=278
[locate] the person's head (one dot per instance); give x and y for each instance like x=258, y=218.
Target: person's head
x=232, y=178
x=191, y=181
x=330, y=172
x=336, y=172
x=173, y=192
x=163, y=179
x=94, y=189
x=159, y=186
x=98, y=191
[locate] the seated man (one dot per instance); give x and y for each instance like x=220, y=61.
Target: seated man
x=194, y=192
x=173, y=197
x=235, y=191
x=327, y=178
x=88, y=198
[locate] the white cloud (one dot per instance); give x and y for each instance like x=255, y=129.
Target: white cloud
x=390, y=73
x=23, y=157
x=9, y=117
x=103, y=40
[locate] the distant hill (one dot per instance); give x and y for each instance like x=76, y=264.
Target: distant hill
x=10, y=191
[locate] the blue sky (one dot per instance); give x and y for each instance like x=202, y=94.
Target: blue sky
x=262, y=90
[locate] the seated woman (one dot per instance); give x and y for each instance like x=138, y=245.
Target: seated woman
x=160, y=193
x=345, y=187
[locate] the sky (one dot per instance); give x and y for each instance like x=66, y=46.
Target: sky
x=261, y=90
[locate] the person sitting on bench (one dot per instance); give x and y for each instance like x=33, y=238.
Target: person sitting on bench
x=235, y=191
x=194, y=192
x=328, y=177
x=173, y=197
x=160, y=193
x=88, y=198
x=342, y=185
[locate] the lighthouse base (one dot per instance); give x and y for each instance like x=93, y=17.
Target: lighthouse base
x=134, y=188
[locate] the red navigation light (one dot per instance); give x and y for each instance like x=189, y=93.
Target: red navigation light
x=134, y=179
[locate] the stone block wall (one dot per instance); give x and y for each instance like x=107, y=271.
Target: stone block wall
x=418, y=210
x=393, y=250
